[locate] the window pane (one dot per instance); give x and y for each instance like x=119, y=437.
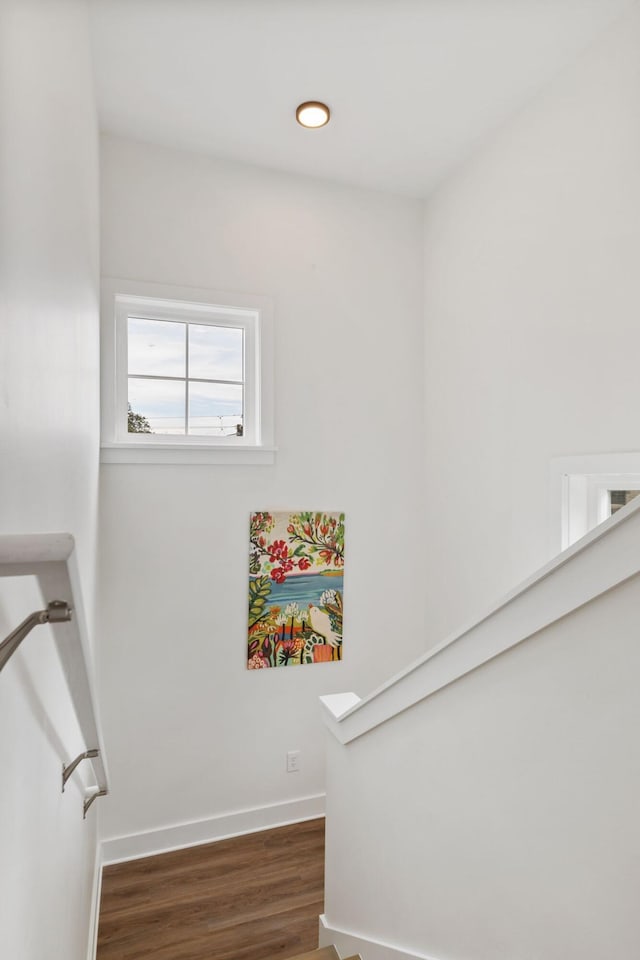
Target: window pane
x=160, y=402
x=215, y=409
x=620, y=498
x=215, y=353
x=157, y=347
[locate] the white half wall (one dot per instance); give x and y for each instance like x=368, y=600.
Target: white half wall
x=532, y=333
x=498, y=817
x=191, y=734
x=49, y=461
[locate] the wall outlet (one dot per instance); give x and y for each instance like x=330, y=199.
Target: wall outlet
x=293, y=761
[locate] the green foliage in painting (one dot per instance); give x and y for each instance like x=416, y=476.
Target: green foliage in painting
x=259, y=591
x=307, y=649
x=332, y=603
x=318, y=535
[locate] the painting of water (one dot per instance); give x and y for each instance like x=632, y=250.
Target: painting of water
x=296, y=572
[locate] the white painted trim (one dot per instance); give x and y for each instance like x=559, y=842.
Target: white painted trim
x=20, y=551
x=221, y=827
x=339, y=703
x=604, y=558
x=348, y=943
x=94, y=917
x=159, y=450
x=184, y=454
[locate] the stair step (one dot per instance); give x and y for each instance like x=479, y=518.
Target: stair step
x=323, y=953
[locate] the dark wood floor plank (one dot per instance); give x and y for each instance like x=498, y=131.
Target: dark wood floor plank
x=255, y=897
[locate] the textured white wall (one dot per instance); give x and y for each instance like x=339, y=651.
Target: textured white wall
x=190, y=732
x=49, y=461
x=532, y=334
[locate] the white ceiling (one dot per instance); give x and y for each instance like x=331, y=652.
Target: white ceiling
x=412, y=84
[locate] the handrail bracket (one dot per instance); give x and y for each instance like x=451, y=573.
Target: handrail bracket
x=89, y=800
x=69, y=768
x=57, y=612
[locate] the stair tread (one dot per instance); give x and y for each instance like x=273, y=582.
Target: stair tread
x=322, y=953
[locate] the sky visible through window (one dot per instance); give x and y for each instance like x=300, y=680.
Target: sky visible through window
x=186, y=377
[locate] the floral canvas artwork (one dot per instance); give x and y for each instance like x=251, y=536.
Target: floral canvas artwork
x=296, y=570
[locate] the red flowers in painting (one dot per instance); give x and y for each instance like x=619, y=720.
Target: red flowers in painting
x=278, y=553
x=311, y=537
x=278, y=550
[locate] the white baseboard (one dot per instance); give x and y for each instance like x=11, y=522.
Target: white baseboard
x=96, y=887
x=221, y=827
x=347, y=943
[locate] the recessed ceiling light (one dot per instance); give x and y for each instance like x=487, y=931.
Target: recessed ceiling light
x=313, y=114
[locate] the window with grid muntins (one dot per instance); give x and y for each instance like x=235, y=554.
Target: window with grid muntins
x=185, y=379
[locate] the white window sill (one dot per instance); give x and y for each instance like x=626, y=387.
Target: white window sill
x=187, y=454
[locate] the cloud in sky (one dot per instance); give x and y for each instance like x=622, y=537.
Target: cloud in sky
x=159, y=348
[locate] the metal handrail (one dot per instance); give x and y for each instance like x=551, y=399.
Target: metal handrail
x=51, y=559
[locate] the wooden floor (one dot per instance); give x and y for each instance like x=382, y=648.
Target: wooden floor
x=250, y=898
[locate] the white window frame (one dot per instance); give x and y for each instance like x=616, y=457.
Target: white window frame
x=579, y=492
x=254, y=315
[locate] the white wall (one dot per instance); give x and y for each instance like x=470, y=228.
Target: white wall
x=531, y=298
x=49, y=460
x=498, y=818
x=191, y=733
